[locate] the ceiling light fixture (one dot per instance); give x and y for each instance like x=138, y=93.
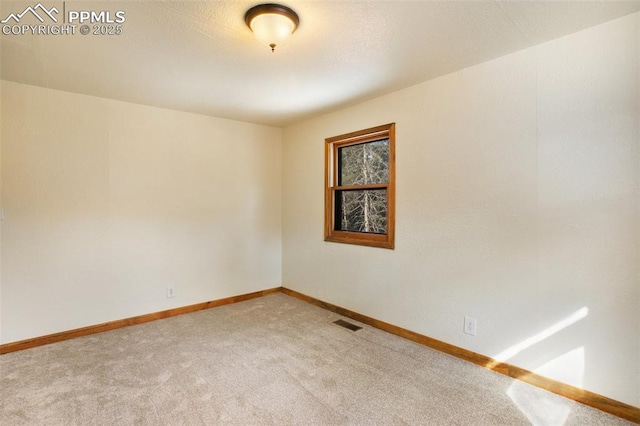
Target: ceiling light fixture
x=271, y=23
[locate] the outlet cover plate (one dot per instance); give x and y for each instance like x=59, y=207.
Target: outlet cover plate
x=470, y=326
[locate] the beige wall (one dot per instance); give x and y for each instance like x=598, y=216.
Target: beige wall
x=517, y=204
x=108, y=203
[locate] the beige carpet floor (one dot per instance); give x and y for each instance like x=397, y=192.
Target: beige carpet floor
x=268, y=361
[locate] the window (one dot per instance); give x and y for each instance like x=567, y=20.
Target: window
x=360, y=187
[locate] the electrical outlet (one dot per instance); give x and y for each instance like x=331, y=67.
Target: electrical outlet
x=171, y=292
x=470, y=325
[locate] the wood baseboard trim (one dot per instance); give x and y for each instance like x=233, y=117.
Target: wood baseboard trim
x=591, y=399
x=141, y=319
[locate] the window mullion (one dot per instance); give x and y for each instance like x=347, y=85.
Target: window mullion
x=361, y=187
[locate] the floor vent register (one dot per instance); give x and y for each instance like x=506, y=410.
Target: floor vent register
x=348, y=325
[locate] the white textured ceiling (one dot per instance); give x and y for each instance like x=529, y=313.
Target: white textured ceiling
x=199, y=56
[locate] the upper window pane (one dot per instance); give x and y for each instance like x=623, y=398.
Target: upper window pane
x=364, y=163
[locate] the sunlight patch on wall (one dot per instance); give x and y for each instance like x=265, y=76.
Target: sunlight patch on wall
x=539, y=406
x=542, y=407
x=567, y=368
x=527, y=343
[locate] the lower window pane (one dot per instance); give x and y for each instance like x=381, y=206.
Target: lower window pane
x=361, y=211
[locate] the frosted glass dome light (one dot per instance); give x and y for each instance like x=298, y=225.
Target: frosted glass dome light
x=271, y=23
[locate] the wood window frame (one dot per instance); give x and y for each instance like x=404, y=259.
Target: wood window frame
x=331, y=178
